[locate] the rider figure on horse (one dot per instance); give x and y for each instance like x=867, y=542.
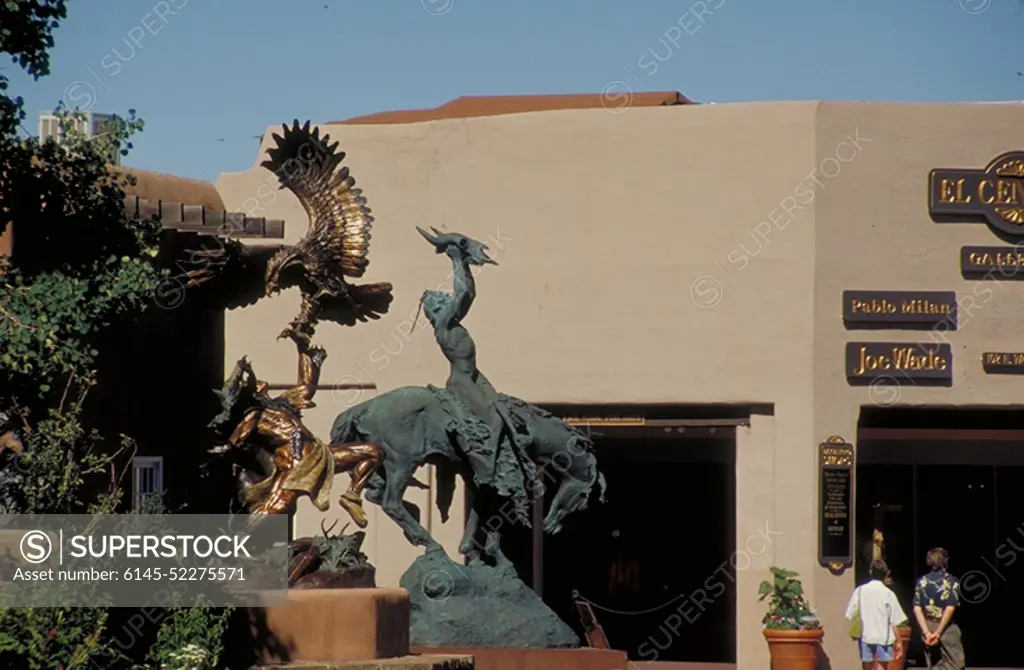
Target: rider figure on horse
x=465, y=381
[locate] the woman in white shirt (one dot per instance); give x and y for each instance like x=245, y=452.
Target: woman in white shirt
x=880, y=613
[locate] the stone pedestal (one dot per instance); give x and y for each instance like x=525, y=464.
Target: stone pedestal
x=463, y=606
x=333, y=626
x=496, y=658
x=438, y=662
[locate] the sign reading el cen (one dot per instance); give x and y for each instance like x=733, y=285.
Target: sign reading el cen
x=994, y=194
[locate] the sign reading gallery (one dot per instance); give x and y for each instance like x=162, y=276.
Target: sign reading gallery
x=888, y=362
x=894, y=309
x=992, y=262
x=994, y=194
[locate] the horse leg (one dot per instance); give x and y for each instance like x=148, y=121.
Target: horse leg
x=392, y=504
x=578, y=477
x=571, y=495
x=492, y=548
x=468, y=547
x=488, y=505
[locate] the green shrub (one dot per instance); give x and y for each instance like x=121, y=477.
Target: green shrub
x=46, y=637
x=787, y=607
x=191, y=639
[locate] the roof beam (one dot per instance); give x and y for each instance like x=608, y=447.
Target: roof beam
x=203, y=220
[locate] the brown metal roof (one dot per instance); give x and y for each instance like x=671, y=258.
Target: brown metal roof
x=171, y=188
x=472, y=106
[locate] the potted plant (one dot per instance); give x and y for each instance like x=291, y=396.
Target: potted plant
x=791, y=627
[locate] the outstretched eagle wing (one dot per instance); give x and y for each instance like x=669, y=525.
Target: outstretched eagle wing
x=308, y=165
x=225, y=273
x=372, y=301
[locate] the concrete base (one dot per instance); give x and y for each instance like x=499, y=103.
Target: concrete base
x=438, y=662
x=495, y=658
x=332, y=626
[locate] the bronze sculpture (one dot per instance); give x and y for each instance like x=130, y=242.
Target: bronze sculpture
x=336, y=245
x=278, y=457
x=288, y=460
x=330, y=562
x=504, y=448
x=466, y=382
x=415, y=425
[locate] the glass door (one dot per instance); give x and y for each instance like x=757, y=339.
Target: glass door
x=957, y=512
x=885, y=525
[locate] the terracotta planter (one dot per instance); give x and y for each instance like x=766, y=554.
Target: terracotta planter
x=897, y=663
x=794, y=649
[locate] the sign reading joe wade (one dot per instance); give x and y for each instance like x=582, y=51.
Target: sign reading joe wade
x=913, y=309
x=868, y=362
x=994, y=195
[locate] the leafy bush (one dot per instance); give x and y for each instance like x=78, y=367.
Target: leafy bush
x=787, y=607
x=191, y=639
x=46, y=638
x=80, y=263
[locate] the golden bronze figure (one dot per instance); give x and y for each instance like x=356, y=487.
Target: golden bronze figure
x=336, y=245
x=299, y=463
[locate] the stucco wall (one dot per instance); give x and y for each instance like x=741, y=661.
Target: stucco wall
x=874, y=232
x=687, y=254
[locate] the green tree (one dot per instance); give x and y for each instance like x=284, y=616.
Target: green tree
x=80, y=263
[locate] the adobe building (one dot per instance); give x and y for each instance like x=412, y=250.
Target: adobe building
x=715, y=291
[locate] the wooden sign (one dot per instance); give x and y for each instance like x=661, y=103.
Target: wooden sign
x=992, y=262
x=835, y=523
x=910, y=310
x=925, y=363
x=1003, y=363
x=994, y=195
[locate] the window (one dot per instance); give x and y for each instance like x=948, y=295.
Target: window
x=49, y=126
x=147, y=478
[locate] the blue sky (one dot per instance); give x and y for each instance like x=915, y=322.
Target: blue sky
x=213, y=74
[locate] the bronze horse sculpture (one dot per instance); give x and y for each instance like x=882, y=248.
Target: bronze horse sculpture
x=417, y=425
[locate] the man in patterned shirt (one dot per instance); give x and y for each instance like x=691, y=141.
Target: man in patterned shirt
x=936, y=597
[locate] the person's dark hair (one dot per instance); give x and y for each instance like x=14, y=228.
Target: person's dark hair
x=878, y=569
x=938, y=558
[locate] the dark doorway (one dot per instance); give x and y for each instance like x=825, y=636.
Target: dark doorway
x=956, y=487
x=654, y=559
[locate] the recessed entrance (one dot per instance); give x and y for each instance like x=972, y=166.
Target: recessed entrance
x=654, y=559
x=956, y=485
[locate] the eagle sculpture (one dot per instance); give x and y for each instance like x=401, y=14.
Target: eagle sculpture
x=334, y=248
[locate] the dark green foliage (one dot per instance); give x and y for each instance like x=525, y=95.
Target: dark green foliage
x=191, y=638
x=26, y=35
x=787, y=607
x=79, y=264
x=45, y=637
x=62, y=469
x=80, y=261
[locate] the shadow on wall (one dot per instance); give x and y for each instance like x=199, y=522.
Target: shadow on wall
x=155, y=384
